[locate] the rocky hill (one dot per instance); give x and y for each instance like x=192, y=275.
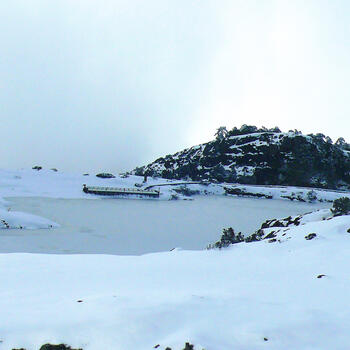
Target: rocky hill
x=260, y=156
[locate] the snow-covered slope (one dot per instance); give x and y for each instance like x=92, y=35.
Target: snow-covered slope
x=253, y=156
x=286, y=295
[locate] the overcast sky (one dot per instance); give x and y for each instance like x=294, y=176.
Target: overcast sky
x=111, y=84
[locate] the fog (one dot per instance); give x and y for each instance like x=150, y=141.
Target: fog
x=111, y=85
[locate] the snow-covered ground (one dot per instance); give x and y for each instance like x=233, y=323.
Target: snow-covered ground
x=290, y=293
x=220, y=299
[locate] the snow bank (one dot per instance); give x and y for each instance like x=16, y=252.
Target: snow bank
x=19, y=220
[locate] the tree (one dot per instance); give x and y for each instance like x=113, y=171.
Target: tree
x=341, y=206
x=221, y=133
x=340, y=142
x=248, y=129
x=329, y=140
x=275, y=129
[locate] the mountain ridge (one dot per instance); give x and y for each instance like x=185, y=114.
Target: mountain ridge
x=261, y=157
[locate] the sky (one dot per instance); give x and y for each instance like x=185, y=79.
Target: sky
x=109, y=85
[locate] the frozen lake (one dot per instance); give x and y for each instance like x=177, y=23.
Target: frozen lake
x=133, y=227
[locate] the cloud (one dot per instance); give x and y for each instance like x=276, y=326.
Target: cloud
x=89, y=84
x=110, y=85
x=282, y=63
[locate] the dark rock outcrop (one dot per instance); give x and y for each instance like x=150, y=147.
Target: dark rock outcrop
x=310, y=236
x=105, y=175
x=57, y=347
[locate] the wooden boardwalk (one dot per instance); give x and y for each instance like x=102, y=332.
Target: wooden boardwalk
x=113, y=191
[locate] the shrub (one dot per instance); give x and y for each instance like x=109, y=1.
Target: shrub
x=311, y=196
x=186, y=191
x=228, y=237
x=139, y=171
x=341, y=206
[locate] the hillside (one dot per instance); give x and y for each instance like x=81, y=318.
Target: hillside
x=260, y=156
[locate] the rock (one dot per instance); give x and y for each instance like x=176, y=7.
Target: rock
x=105, y=175
x=277, y=224
x=239, y=192
x=271, y=235
x=57, y=347
x=310, y=236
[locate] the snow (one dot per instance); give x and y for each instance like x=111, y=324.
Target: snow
x=256, y=134
x=251, y=143
x=19, y=220
x=227, y=299
x=216, y=299
x=287, y=192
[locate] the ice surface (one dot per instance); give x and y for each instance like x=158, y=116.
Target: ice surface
x=121, y=226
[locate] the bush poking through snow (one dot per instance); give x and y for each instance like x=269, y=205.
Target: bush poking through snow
x=256, y=236
x=4, y=224
x=228, y=237
x=188, y=346
x=184, y=190
x=311, y=196
x=341, y=206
